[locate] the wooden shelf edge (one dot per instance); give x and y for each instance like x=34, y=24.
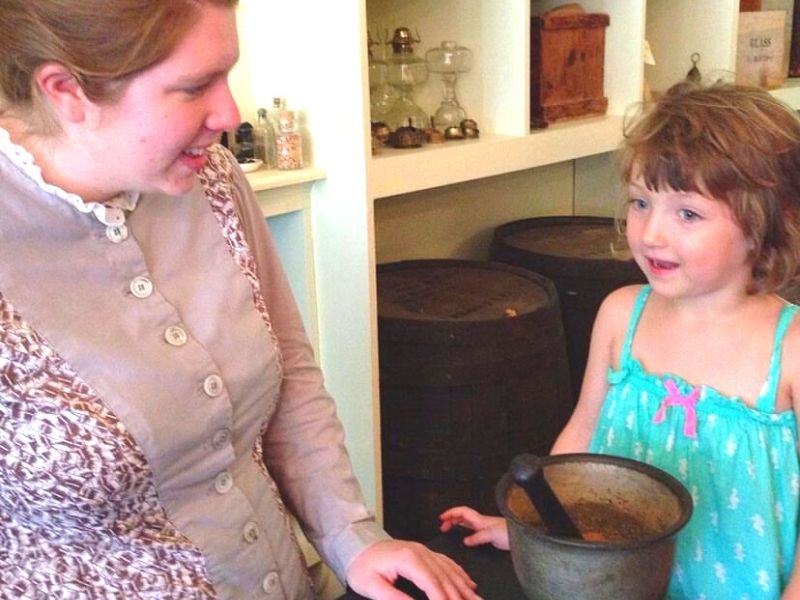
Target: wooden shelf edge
x=270, y=179
x=394, y=172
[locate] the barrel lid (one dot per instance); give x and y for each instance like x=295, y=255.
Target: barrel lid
x=590, y=241
x=459, y=290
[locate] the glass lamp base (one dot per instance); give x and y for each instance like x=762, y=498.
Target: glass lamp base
x=449, y=114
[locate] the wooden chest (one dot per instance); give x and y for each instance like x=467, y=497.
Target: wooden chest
x=567, y=55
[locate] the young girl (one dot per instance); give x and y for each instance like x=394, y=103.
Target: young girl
x=698, y=373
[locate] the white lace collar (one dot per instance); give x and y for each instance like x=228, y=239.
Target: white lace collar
x=111, y=213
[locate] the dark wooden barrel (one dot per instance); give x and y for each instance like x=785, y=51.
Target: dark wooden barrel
x=473, y=371
x=585, y=257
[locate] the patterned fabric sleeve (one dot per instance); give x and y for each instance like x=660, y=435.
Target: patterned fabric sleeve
x=303, y=445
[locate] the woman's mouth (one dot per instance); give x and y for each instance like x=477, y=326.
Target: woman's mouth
x=194, y=158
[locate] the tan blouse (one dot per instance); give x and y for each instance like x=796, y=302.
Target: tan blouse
x=146, y=367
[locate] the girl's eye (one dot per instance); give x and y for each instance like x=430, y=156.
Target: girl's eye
x=687, y=214
x=638, y=203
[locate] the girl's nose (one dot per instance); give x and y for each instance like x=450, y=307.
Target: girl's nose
x=224, y=114
x=653, y=230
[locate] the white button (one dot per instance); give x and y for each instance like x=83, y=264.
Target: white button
x=141, y=287
x=223, y=482
x=221, y=438
x=175, y=336
x=251, y=532
x=212, y=385
x=117, y=233
x=270, y=582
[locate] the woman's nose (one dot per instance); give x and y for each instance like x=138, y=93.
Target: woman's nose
x=224, y=114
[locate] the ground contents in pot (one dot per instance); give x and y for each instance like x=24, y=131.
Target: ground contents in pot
x=602, y=522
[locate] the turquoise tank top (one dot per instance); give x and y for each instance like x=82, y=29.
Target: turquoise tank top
x=740, y=465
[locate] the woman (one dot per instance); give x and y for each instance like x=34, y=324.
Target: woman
x=159, y=402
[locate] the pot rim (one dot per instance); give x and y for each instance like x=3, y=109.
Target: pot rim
x=675, y=486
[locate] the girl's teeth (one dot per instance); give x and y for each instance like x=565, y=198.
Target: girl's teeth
x=194, y=151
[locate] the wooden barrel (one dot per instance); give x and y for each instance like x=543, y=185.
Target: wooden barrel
x=586, y=260
x=473, y=371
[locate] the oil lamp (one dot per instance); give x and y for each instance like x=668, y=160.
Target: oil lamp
x=449, y=60
x=405, y=72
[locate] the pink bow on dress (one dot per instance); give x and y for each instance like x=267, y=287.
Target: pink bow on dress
x=688, y=402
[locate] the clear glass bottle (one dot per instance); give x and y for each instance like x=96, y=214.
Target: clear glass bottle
x=288, y=142
x=278, y=105
x=264, y=139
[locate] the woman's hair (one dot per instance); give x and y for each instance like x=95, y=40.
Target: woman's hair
x=102, y=42
x=735, y=144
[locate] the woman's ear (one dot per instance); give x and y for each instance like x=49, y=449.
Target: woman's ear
x=63, y=93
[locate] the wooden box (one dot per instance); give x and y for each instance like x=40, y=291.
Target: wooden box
x=567, y=55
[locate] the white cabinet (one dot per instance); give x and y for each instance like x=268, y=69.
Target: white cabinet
x=314, y=53
x=285, y=201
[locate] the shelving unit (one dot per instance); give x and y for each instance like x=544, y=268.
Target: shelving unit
x=285, y=201
x=315, y=55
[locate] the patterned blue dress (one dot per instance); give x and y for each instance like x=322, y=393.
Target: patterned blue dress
x=740, y=465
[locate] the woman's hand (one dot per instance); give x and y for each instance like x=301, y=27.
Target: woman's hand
x=374, y=572
x=488, y=530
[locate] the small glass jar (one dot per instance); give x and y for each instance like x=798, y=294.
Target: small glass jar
x=288, y=142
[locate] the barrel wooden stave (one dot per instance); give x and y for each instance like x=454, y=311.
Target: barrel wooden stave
x=586, y=259
x=461, y=396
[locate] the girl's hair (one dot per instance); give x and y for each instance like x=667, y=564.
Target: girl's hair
x=735, y=144
x=102, y=42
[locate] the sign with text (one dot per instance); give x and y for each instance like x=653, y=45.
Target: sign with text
x=760, y=49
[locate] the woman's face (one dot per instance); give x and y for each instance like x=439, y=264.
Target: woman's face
x=154, y=137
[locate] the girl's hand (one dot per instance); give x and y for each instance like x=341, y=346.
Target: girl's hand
x=374, y=572
x=488, y=530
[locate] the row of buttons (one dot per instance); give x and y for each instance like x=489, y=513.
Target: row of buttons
x=142, y=287
x=223, y=483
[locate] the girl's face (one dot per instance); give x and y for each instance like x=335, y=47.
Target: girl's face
x=154, y=137
x=687, y=244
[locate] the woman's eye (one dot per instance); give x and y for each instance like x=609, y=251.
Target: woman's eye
x=687, y=214
x=195, y=90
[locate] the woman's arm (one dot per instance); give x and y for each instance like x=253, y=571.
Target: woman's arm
x=305, y=452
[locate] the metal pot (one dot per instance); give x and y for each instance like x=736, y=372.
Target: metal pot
x=550, y=567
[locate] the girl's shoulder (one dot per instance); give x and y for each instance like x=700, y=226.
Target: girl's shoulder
x=790, y=362
x=618, y=307
x=614, y=317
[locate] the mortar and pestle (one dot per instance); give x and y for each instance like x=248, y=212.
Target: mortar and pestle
x=591, y=526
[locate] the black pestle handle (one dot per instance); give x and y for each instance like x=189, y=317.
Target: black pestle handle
x=527, y=472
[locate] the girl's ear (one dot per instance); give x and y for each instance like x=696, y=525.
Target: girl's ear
x=63, y=93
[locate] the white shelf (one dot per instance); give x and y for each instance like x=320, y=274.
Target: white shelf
x=269, y=179
x=789, y=93
x=283, y=192
x=400, y=171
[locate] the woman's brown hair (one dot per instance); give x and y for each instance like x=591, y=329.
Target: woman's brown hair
x=102, y=42
x=733, y=143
